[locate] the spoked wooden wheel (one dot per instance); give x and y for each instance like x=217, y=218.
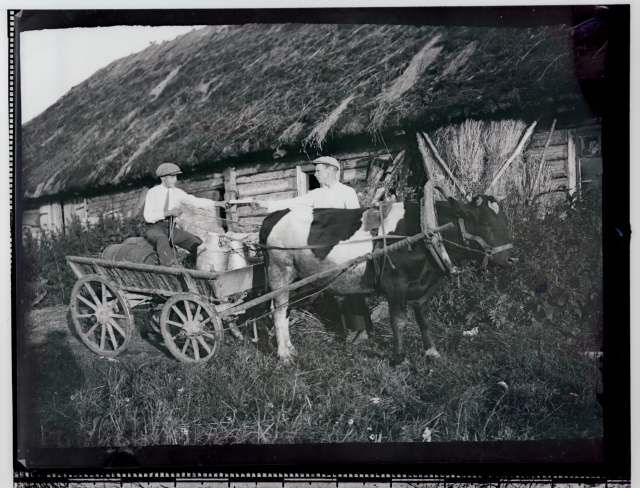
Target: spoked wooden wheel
x=191, y=328
x=101, y=315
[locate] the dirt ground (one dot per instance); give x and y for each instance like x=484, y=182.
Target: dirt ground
x=52, y=328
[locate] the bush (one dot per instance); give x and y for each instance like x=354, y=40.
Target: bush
x=46, y=258
x=556, y=285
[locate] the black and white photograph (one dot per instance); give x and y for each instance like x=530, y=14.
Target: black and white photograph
x=343, y=235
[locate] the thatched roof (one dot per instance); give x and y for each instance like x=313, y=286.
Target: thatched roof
x=224, y=91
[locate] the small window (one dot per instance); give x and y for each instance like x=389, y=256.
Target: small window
x=306, y=180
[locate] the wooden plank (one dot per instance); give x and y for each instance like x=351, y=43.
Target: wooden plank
x=210, y=275
x=558, y=168
x=270, y=175
x=356, y=163
x=262, y=187
x=572, y=162
x=542, y=159
x=231, y=193
x=204, y=176
x=76, y=269
x=302, y=181
x=356, y=174
x=137, y=210
x=538, y=139
x=150, y=291
x=239, y=280
x=553, y=153
x=248, y=211
x=195, y=186
x=254, y=221
x=191, y=284
x=443, y=165
x=254, y=168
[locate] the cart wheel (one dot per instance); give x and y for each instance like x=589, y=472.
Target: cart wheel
x=191, y=328
x=101, y=315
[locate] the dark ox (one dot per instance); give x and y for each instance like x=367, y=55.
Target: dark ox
x=412, y=275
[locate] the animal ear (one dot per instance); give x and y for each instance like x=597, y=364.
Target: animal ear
x=494, y=206
x=478, y=201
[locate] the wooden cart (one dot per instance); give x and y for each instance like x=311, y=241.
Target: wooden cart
x=194, y=303
x=191, y=302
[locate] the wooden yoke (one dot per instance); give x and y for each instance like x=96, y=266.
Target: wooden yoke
x=429, y=222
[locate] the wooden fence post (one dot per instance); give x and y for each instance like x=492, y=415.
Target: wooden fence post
x=231, y=193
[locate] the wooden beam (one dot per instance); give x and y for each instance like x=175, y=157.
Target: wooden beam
x=302, y=181
x=541, y=165
x=231, y=193
x=270, y=175
x=262, y=187
x=386, y=182
x=167, y=270
x=425, y=155
x=140, y=203
x=517, y=151
x=443, y=164
x=572, y=163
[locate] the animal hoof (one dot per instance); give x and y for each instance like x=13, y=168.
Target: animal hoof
x=398, y=360
x=287, y=361
x=432, y=353
x=293, y=351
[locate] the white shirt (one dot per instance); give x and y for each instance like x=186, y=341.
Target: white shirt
x=338, y=196
x=156, y=197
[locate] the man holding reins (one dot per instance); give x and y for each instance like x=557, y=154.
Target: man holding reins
x=332, y=194
x=162, y=206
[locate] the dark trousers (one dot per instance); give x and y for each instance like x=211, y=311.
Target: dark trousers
x=355, y=313
x=158, y=235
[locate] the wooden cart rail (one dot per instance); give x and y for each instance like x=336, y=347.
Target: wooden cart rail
x=167, y=281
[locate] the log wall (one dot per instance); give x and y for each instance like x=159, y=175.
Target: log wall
x=275, y=180
x=566, y=148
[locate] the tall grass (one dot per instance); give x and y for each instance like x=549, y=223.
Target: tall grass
x=524, y=375
x=476, y=150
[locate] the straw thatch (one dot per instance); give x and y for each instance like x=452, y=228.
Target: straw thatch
x=222, y=92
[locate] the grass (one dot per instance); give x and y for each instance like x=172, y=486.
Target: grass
x=333, y=393
x=523, y=376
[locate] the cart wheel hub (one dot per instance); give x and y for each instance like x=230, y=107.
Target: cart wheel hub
x=193, y=328
x=102, y=315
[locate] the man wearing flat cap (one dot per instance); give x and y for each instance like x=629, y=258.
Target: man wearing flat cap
x=161, y=206
x=332, y=194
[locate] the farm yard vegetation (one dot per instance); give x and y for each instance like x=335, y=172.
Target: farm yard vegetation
x=519, y=359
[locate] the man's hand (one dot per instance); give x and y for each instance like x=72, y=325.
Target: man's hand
x=256, y=204
x=174, y=212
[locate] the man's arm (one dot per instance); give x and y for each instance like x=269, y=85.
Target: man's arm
x=198, y=202
x=275, y=205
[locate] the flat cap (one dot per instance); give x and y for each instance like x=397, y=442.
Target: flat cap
x=168, y=169
x=327, y=160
